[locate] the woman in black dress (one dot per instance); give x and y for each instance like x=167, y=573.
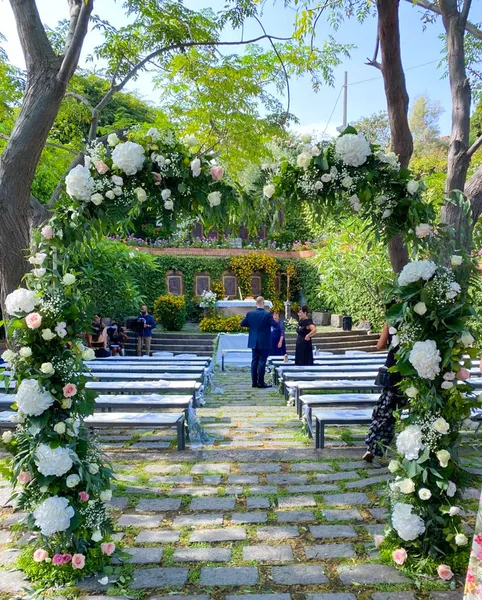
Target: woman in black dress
x=304, y=346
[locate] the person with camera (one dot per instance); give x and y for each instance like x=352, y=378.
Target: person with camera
x=145, y=325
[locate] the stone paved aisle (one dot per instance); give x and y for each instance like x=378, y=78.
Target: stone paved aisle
x=260, y=515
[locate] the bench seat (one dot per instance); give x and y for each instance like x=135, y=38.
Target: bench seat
x=313, y=400
x=338, y=417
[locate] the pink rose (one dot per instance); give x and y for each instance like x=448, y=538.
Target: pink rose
x=463, y=374
x=84, y=496
x=40, y=555
x=78, y=561
x=157, y=178
x=33, y=320
x=470, y=576
x=24, y=477
x=69, y=390
x=107, y=548
x=478, y=539
x=217, y=173
x=445, y=572
x=478, y=556
x=378, y=539
x=47, y=232
x=101, y=167
x=399, y=556
x=67, y=558
x=58, y=559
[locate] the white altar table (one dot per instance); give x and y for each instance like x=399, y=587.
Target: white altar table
x=239, y=307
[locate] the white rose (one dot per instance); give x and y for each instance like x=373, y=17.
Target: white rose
x=406, y=486
x=166, y=194
x=461, y=539
x=326, y=177
x=454, y=511
x=306, y=138
x=39, y=272
x=447, y=385
x=451, y=489
x=386, y=213
x=456, y=260
x=415, y=270
x=8, y=356
x=60, y=428
x=37, y=259
x=424, y=494
x=333, y=171
x=97, y=199
x=47, y=368
x=467, y=339
x=355, y=202
x=66, y=403
x=420, y=308
x=61, y=329
x=79, y=183
x=412, y=186
x=352, y=149
x=72, y=480
x=269, y=190
x=7, y=437
x=88, y=354
x=68, y=279
x=154, y=134
x=318, y=185
x=110, y=194
x=425, y=358
x=191, y=140
x=441, y=426
x=117, y=180
x=47, y=335
x=21, y=301
x=169, y=205
x=113, y=139
x=423, y=230
x=93, y=468
x=347, y=181
x=25, y=352
x=128, y=157
x=196, y=167
x=44, y=488
x=214, y=199
x=315, y=151
x=443, y=456
x=393, y=466
x=106, y=495
x=96, y=536
x=117, y=191
x=411, y=392
x=141, y=194
x=449, y=376
x=454, y=290
x=392, y=330
x=303, y=160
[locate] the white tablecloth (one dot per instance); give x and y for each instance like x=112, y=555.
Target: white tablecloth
x=242, y=303
x=234, y=341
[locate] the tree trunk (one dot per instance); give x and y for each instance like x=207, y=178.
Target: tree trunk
x=458, y=159
x=397, y=104
x=18, y=163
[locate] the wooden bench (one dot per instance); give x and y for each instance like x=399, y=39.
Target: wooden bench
x=101, y=376
x=290, y=371
x=147, y=387
x=338, y=417
x=113, y=368
x=311, y=401
x=106, y=420
x=297, y=388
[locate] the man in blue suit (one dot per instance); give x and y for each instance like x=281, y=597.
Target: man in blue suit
x=259, y=322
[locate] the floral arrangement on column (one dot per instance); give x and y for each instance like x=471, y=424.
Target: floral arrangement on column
x=59, y=474
x=473, y=582
x=436, y=348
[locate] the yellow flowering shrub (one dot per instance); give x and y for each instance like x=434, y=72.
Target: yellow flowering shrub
x=220, y=324
x=170, y=312
x=245, y=266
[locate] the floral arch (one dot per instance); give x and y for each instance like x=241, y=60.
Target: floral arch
x=59, y=474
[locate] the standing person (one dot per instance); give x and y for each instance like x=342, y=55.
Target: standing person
x=259, y=323
x=382, y=427
x=304, y=346
x=145, y=325
x=278, y=338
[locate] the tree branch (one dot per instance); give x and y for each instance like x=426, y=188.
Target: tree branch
x=51, y=144
x=80, y=98
x=373, y=62
x=432, y=7
x=475, y=146
x=79, y=20
x=33, y=38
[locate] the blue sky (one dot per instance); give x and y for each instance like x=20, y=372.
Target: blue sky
x=313, y=109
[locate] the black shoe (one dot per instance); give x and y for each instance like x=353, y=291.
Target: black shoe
x=254, y=385
x=264, y=385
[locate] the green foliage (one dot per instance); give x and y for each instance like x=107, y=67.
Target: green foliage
x=424, y=121
x=376, y=128
x=170, y=312
x=350, y=282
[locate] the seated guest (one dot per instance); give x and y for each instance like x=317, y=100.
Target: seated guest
x=364, y=325
x=117, y=340
x=99, y=342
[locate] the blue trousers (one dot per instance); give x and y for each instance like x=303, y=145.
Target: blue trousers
x=258, y=365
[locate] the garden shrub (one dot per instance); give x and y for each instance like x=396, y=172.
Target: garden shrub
x=220, y=324
x=170, y=312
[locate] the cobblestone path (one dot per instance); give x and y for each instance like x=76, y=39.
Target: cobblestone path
x=260, y=515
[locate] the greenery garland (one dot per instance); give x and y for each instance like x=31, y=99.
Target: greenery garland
x=62, y=479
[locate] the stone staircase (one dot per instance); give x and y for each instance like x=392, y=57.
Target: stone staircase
x=183, y=342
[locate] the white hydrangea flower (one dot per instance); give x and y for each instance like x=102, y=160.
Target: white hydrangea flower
x=32, y=399
x=415, y=270
x=352, y=149
x=269, y=190
x=389, y=158
x=409, y=442
x=53, y=515
x=21, y=301
x=407, y=524
x=214, y=199
x=426, y=358
x=79, y=183
x=53, y=461
x=128, y=157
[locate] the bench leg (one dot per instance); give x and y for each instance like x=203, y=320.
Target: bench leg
x=320, y=438
x=222, y=362
x=181, y=437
